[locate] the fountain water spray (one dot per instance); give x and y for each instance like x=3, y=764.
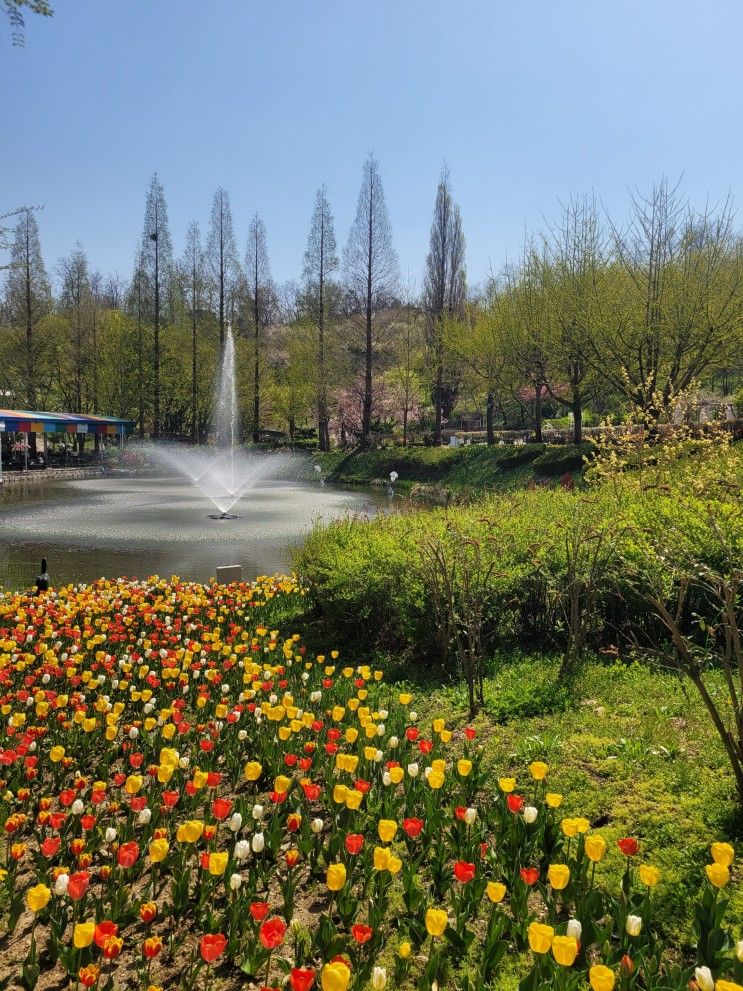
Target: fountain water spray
x=225, y=471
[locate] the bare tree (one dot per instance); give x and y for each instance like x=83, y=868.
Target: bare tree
x=678, y=306
x=262, y=297
x=157, y=264
x=320, y=261
x=221, y=253
x=76, y=302
x=371, y=274
x=575, y=279
x=28, y=300
x=194, y=273
x=444, y=293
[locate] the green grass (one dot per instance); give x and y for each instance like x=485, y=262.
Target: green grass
x=629, y=747
x=473, y=469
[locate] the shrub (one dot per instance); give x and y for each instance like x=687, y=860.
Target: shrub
x=558, y=460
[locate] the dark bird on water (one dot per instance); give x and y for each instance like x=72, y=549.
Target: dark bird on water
x=42, y=581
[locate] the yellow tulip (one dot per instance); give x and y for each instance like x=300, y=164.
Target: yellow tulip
x=538, y=770
x=396, y=775
x=133, y=784
x=38, y=897
x=438, y=725
x=464, y=767
x=404, y=950
x=496, y=891
x=435, y=780
x=540, y=937
x=559, y=876
x=595, y=847
x=353, y=799
x=438, y=765
x=82, y=934
x=507, y=784
x=381, y=858
x=569, y=827
x=722, y=853
x=336, y=877
x=553, y=799
x=282, y=784
x=387, y=829
x=649, y=875
x=565, y=950
x=339, y=794
x=200, y=779
x=405, y=699
x=445, y=736
x=335, y=976
x=436, y=921
x=159, y=850
x=190, y=831
x=218, y=863
x=728, y=986
x=253, y=770
x=56, y=754
x=601, y=978
x=718, y=874
x=394, y=864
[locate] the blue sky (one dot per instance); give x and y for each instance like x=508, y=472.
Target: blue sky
x=528, y=101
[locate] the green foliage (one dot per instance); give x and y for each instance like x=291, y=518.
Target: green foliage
x=560, y=459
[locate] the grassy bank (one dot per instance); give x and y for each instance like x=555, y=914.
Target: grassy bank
x=460, y=470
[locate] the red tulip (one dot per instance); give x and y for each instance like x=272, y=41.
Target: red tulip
x=301, y=979
x=78, y=885
x=354, y=843
x=221, y=808
x=529, y=875
x=515, y=803
x=272, y=932
x=361, y=933
x=50, y=846
x=103, y=930
x=127, y=854
x=628, y=846
x=413, y=827
x=259, y=910
x=464, y=871
x=212, y=946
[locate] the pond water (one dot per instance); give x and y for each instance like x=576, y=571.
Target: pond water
x=143, y=526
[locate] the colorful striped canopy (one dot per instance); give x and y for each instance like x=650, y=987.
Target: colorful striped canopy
x=33, y=422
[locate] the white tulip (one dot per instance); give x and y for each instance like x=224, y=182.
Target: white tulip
x=378, y=756
x=258, y=843
x=110, y=835
x=242, y=850
x=133, y=733
x=242, y=734
x=60, y=885
x=315, y=696
x=470, y=815
x=383, y=713
x=633, y=925
x=413, y=717
x=235, y=882
x=529, y=814
x=574, y=928
x=317, y=825
x=393, y=742
x=705, y=980
x=739, y=950
x=77, y=807
x=379, y=978
x=257, y=812
x=235, y=823
x=144, y=816
x=413, y=770
x=386, y=779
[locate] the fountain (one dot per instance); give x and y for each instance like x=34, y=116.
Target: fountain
x=225, y=471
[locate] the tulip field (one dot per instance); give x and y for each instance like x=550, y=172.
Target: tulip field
x=192, y=799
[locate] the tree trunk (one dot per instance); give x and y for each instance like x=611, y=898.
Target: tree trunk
x=438, y=403
x=256, y=366
x=577, y=416
x=490, y=411
x=156, y=361
x=538, y=413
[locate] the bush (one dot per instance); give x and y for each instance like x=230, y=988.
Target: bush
x=558, y=460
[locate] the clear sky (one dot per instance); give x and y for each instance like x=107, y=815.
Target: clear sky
x=527, y=100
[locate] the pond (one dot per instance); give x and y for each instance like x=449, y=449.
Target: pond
x=142, y=526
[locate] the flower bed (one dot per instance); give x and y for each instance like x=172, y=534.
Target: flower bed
x=192, y=800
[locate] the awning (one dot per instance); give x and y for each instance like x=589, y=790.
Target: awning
x=32, y=422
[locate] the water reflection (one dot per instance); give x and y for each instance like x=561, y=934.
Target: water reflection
x=136, y=527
